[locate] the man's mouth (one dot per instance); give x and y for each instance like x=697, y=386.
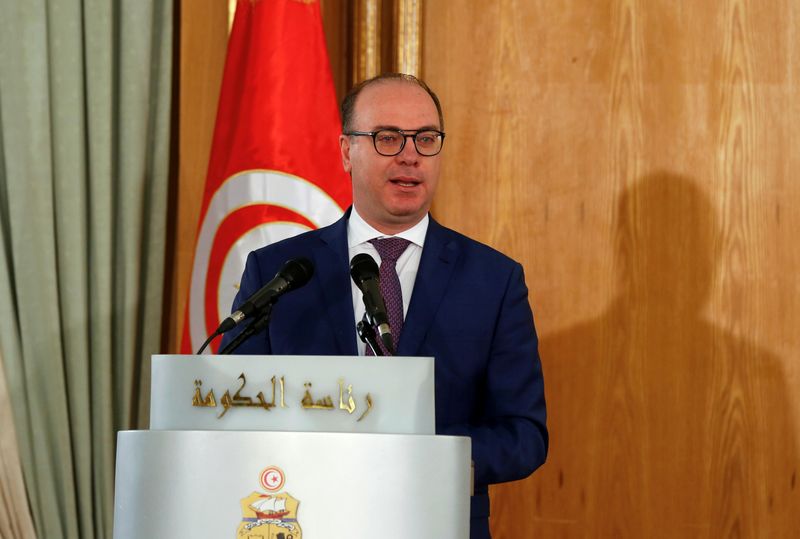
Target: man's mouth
x=405, y=182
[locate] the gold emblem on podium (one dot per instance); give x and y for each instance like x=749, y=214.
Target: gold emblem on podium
x=271, y=514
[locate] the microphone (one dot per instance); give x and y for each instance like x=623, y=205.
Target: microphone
x=296, y=272
x=364, y=271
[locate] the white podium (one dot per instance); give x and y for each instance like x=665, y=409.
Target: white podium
x=248, y=467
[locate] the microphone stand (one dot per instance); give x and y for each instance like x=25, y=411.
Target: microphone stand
x=367, y=334
x=258, y=325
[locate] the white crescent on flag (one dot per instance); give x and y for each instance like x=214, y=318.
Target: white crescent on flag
x=249, y=210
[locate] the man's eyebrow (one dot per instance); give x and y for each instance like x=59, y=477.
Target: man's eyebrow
x=396, y=128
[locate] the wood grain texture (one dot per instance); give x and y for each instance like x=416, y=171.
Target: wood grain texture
x=641, y=160
x=337, y=22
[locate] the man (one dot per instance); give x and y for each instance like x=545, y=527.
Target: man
x=462, y=302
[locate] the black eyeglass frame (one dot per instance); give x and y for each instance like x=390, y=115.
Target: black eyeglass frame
x=404, y=134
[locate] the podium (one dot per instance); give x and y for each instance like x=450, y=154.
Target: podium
x=284, y=447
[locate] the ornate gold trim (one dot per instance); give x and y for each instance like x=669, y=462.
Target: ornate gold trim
x=408, y=29
x=367, y=40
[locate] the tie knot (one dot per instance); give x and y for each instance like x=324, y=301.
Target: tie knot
x=390, y=249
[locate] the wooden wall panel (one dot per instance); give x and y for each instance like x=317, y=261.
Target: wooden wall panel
x=641, y=160
x=337, y=24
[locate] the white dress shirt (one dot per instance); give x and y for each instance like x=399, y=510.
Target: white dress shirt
x=358, y=235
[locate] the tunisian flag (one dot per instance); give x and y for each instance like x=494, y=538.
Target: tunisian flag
x=275, y=168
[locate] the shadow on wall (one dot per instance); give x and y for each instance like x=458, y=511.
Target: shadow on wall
x=664, y=424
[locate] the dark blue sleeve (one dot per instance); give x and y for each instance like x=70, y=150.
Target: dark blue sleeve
x=510, y=441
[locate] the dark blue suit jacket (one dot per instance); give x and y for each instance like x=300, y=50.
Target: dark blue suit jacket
x=469, y=310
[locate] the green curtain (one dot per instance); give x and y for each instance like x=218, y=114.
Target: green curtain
x=85, y=97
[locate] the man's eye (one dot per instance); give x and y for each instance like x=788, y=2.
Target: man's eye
x=387, y=137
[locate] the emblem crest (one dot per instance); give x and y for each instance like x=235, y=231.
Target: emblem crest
x=271, y=514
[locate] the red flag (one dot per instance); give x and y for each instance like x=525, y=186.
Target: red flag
x=275, y=168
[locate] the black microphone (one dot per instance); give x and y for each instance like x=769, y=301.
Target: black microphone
x=364, y=271
x=295, y=273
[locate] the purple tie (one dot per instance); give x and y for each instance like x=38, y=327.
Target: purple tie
x=390, y=250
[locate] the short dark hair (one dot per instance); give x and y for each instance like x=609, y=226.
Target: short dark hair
x=349, y=101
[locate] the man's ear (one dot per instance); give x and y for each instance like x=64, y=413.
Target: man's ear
x=344, y=148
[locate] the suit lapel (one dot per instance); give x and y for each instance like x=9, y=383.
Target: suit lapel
x=332, y=267
x=439, y=256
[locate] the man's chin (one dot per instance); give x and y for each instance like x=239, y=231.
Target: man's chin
x=394, y=220
x=406, y=215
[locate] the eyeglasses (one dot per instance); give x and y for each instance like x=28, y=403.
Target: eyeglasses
x=391, y=142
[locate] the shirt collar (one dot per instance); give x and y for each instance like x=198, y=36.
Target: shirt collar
x=359, y=231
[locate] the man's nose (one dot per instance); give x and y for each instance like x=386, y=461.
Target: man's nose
x=408, y=155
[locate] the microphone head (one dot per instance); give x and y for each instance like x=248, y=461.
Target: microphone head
x=297, y=272
x=363, y=267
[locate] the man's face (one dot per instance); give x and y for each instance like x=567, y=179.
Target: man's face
x=391, y=193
